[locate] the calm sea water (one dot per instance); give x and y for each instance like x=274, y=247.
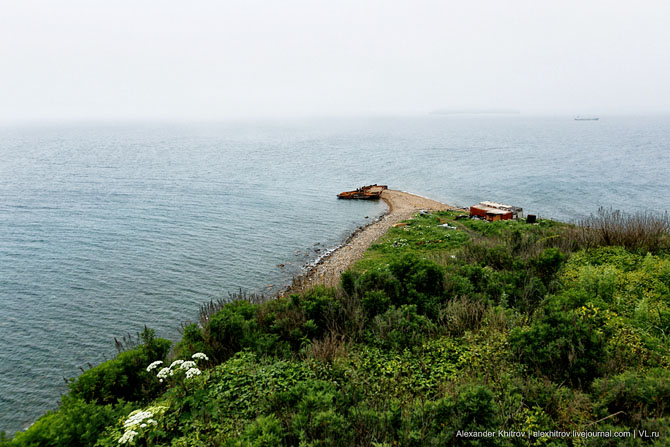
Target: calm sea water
x=106, y=228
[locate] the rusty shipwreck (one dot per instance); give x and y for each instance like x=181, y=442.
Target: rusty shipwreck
x=370, y=192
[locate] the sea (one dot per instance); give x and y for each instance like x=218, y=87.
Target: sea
x=108, y=227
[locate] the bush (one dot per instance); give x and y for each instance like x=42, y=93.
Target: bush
x=231, y=329
x=637, y=395
x=561, y=345
x=400, y=327
x=435, y=423
x=320, y=306
x=375, y=302
x=278, y=327
x=315, y=414
x=124, y=377
x=192, y=340
x=494, y=255
x=75, y=424
x=548, y=263
x=374, y=280
x=228, y=331
x=265, y=431
x=419, y=279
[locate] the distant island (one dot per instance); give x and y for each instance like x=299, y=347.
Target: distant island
x=475, y=112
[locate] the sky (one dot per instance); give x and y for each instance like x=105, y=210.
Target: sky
x=204, y=60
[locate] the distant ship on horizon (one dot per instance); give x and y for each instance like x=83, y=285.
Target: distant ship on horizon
x=587, y=118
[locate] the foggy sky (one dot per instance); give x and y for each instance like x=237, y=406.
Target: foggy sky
x=166, y=59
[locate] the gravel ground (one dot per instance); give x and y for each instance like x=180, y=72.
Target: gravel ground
x=402, y=206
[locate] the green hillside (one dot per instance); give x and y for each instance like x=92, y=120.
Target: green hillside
x=447, y=332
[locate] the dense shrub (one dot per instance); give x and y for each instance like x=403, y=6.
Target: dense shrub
x=458, y=285
x=375, y=302
x=265, y=431
x=505, y=287
x=637, y=395
x=400, y=327
x=548, y=263
x=192, y=340
x=493, y=254
x=421, y=283
x=372, y=280
x=561, y=345
x=76, y=424
x=408, y=280
x=320, y=307
x=231, y=329
x=435, y=423
x=319, y=414
x=566, y=406
x=277, y=327
x=124, y=377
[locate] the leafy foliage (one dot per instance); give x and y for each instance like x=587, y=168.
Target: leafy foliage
x=77, y=423
x=124, y=377
x=562, y=346
x=471, y=326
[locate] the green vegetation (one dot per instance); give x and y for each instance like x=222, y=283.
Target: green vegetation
x=445, y=325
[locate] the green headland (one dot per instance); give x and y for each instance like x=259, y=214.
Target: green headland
x=448, y=331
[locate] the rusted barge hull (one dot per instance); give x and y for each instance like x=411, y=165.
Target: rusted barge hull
x=370, y=192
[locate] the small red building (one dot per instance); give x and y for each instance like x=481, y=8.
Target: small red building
x=493, y=211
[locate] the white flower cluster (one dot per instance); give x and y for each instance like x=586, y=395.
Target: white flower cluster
x=163, y=373
x=189, y=366
x=199, y=356
x=137, y=417
x=192, y=373
x=138, y=420
x=176, y=363
x=128, y=437
x=154, y=365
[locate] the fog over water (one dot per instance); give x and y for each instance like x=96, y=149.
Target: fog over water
x=89, y=59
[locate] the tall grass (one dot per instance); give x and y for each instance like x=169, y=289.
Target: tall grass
x=640, y=231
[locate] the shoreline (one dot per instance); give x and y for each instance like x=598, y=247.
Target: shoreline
x=326, y=270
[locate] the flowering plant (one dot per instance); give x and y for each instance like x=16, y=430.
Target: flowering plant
x=138, y=422
x=188, y=367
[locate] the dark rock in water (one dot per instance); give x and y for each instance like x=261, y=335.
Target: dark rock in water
x=280, y=265
x=366, y=217
x=317, y=250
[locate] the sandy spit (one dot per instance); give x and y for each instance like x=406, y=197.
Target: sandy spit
x=402, y=206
